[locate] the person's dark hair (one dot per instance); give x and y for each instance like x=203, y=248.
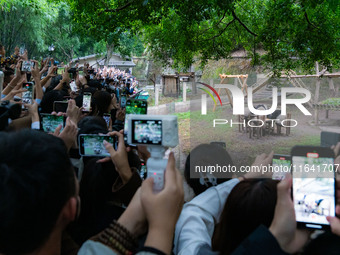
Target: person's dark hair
x=36, y=180
x=49, y=98
x=94, y=84
x=95, y=191
x=101, y=101
x=92, y=125
x=250, y=204
x=206, y=155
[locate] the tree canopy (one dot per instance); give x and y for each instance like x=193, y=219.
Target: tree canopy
x=290, y=34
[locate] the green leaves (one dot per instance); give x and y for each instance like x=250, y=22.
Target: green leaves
x=290, y=34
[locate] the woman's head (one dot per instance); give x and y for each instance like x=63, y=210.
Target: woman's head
x=49, y=98
x=250, y=204
x=204, y=156
x=102, y=102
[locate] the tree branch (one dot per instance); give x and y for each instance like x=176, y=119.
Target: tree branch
x=221, y=32
x=119, y=8
x=309, y=22
x=219, y=22
x=242, y=24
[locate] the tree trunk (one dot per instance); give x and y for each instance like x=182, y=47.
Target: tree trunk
x=109, y=53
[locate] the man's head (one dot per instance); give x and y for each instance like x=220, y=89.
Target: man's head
x=38, y=190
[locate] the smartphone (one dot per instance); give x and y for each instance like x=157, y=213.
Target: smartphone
x=73, y=86
x=60, y=71
x=92, y=145
x=134, y=106
x=27, y=66
x=60, y=106
x=50, y=122
x=87, y=102
x=281, y=166
x=143, y=171
x=122, y=101
x=22, y=51
x=313, y=190
x=107, y=118
x=329, y=139
x=28, y=96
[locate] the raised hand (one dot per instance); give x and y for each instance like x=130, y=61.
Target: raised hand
x=119, y=157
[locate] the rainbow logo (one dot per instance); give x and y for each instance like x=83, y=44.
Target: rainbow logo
x=209, y=93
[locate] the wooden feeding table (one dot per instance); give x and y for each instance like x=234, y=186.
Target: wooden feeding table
x=330, y=104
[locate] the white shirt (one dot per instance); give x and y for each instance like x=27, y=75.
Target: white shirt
x=195, y=226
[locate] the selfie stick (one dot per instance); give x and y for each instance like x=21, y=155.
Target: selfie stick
x=156, y=166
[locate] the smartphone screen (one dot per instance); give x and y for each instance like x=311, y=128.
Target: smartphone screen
x=27, y=66
x=122, y=101
x=50, y=122
x=60, y=106
x=27, y=96
x=281, y=166
x=147, y=132
x=134, y=106
x=107, y=118
x=86, y=102
x=73, y=86
x=313, y=186
x=60, y=71
x=92, y=145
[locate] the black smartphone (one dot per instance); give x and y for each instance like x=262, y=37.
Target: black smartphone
x=28, y=95
x=329, y=139
x=60, y=106
x=27, y=66
x=314, y=186
x=281, y=166
x=134, y=106
x=92, y=145
x=107, y=118
x=50, y=122
x=87, y=102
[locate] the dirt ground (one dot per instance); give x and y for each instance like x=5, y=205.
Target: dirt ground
x=194, y=130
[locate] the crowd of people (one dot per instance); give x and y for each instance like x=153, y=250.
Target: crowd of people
x=54, y=201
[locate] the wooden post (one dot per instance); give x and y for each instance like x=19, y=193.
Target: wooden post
x=331, y=87
x=194, y=86
x=316, y=100
x=156, y=95
x=184, y=91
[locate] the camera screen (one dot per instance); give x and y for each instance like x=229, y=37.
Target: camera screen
x=92, y=145
x=281, y=166
x=87, y=102
x=136, y=107
x=314, y=197
x=27, y=66
x=51, y=122
x=147, y=132
x=27, y=96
